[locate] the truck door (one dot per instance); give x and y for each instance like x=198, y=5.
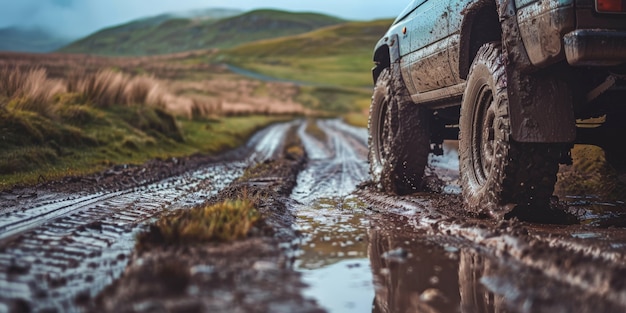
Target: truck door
x=428, y=33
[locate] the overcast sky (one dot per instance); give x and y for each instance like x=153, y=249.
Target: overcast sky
x=77, y=18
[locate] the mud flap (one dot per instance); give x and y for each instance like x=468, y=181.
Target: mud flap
x=540, y=104
x=541, y=108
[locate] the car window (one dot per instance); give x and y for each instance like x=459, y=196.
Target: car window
x=410, y=8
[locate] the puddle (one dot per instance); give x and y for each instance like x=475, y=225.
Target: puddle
x=357, y=261
x=352, y=260
x=333, y=254
x=360, y=259
x=345, y=286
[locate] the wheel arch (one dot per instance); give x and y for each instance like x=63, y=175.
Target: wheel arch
x=480, y=25
x=386, y=52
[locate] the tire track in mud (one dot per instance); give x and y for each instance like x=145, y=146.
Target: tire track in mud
x=58, y=251
x=335, y=167
x=580, y=260
x=332, y=253
x=592, y=268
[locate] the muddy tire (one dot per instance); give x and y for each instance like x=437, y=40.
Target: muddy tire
x=497, y=173
x=399, y=140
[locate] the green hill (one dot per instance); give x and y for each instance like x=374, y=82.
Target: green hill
x=335, y=60
x=173, y=33
x=338, y=55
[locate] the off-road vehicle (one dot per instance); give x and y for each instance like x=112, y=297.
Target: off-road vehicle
x=517, y=82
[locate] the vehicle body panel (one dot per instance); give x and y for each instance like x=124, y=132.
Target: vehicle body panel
x=427, y=59
x=539, y=38
x=542, y=26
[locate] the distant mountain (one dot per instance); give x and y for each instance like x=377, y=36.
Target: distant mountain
x=34, y=40
x=198, y=30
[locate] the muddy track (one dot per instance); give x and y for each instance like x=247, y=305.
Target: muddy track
x=359, y=250
x=252, y=274
x=527, y=267
x=59, y=249
x=591, y=269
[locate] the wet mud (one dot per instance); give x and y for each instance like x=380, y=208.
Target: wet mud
x=62, y=242
x=249, y=275
x=330, y=242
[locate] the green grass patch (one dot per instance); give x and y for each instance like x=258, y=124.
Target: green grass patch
x=334, y=100
x=225, y=221
x=357, y=119
x=335, y=60
x=335, y=70
x=339, y=55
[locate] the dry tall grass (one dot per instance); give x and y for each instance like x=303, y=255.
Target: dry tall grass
x=181, y=83
x=102, y=89
x=33, y=90
x=106, y=88
x=29, y=90
x=148, y=90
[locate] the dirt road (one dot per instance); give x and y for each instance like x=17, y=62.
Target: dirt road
x=357, y=250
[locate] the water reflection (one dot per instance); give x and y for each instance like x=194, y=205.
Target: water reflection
x=412, y=274
x=418, y=277
x=357, y=261
x=333, y=254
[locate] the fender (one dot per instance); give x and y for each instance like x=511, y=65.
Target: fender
x=387, y=51
x=466, y=51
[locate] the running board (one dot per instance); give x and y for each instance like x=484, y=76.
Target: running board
x=441, y=98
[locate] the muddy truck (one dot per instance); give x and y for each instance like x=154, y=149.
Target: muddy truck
x=517, y=82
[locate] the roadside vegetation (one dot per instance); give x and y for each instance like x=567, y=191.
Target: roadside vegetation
x=73, y=114
x=71, y=117
x=589, y=174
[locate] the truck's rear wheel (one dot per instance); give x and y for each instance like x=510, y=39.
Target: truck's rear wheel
x=495, y=170
x=399, y=140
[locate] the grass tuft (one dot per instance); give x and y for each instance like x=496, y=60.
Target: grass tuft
x=225, y=221
x=29, y=90
x=145, y=89
x=102, y=89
